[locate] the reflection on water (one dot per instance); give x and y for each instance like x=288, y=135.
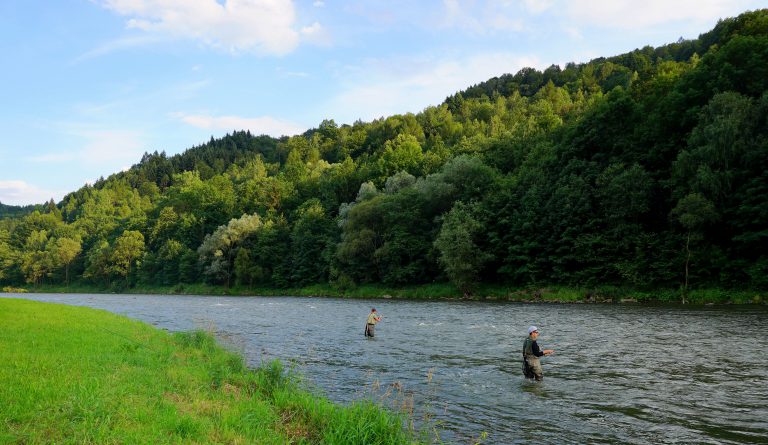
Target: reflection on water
x=620, y=374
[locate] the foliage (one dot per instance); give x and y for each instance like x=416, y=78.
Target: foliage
x=218, y=250
x=95, y=377
x=459, y=253
x=647, y=169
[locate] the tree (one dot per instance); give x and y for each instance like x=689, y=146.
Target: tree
x=65, y=250
x=97, y=262
x=401, y=154
x=165, y=226
x=127, y=249
x=460, y=255
x=312, y=239
x=693, y=212
x=246, y=271
x=35, y=264
x=217, y=252
x=270, y=251
x=169, y=256
x=36, y=260
x=8, y=255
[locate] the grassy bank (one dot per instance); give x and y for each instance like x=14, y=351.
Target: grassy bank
x=554, y=294
x=74, y=375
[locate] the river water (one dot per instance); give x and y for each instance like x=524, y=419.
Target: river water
x=620, y=374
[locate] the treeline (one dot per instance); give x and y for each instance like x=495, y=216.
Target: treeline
x=7, y=211
x=648, y=169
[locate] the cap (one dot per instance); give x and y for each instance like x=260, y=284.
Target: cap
x=532, y=329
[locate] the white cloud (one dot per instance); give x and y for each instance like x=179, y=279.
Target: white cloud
x=256, y=125
x=115, y=45
x=316, y=34
x=629, y=14
x=17, y=192
x=487, y=16
x=261, y=26
x=98, y=147
x=112, y=146
x=385, y=87
x=537, y=6
x=284, y=73
x=318, y=3
x=573, y=32
x=482, y=17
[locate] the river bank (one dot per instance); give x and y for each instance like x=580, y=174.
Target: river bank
x=437, y=291
x=79, y=375
x=456, y=363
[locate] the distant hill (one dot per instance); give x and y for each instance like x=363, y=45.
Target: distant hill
x=645, y=170
x=8, y=211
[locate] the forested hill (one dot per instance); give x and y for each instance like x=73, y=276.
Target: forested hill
x=647, y=170
x=10, y=211
x=604, y=74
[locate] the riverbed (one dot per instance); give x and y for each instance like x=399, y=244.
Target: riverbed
x=620, y=373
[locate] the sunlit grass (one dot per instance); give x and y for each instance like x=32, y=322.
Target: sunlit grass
x=74, y=375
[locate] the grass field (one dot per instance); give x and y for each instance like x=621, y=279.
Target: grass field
x=72, y=375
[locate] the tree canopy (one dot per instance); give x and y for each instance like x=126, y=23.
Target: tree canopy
x=647, y=169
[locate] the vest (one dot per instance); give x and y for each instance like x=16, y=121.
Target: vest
x=528, y=347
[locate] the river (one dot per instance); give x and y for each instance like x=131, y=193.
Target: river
x=621, y=373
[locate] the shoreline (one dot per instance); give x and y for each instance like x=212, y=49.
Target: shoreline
x=97, y=377
x=437, y=292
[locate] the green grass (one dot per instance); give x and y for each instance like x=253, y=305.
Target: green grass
x=72, y=375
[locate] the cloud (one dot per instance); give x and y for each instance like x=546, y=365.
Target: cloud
x=284, y=73
x=384, y=87
x=537, y=6
x=112, y=146
x=115, y=45
x=628, y=14
x=482, y=17
x=260, y=26
x=256, y=125
x=316, y=34
x=17, y=192
x=97, y=147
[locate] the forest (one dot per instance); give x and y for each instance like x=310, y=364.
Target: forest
x=648, y=169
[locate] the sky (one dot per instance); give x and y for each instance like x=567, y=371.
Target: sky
x=88, y=86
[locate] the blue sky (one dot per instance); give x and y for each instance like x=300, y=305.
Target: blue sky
x=88, y=86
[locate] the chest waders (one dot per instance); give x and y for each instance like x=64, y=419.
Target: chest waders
x=531, y=364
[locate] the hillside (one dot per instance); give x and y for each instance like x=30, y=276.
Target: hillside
x=647, y=169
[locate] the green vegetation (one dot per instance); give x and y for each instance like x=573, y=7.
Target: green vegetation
x=75, y=375
x=645, y=171
x=443, y=291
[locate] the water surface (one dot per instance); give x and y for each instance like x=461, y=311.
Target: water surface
x=620, y=374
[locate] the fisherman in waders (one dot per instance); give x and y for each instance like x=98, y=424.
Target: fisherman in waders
x=531, y=354
x=373, y=318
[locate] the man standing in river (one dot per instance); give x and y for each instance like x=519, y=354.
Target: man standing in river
x=373, y=318
x=531, y=354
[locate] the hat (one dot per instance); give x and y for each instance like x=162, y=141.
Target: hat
x=532, y=329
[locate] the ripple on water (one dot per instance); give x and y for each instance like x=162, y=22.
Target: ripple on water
x=621, y=374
